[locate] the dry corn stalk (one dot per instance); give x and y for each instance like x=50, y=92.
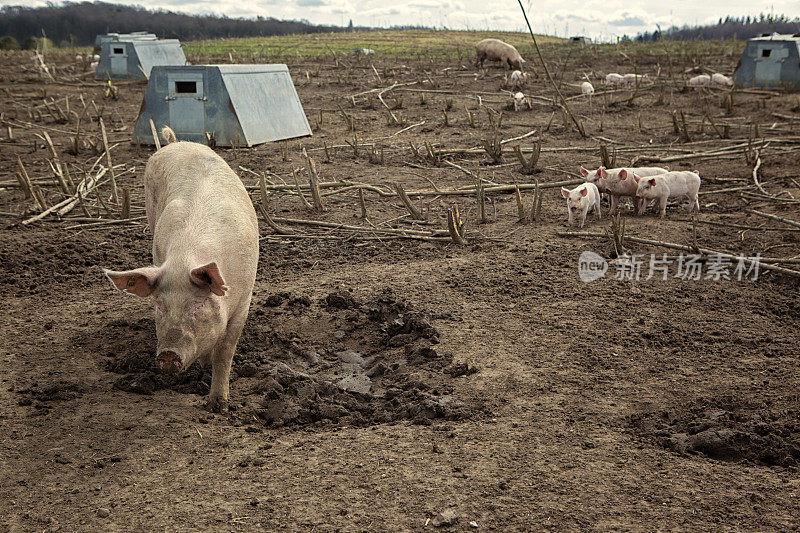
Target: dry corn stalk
x=521, y=214
x=455, y=226
x=401, y=192
x=536, y=207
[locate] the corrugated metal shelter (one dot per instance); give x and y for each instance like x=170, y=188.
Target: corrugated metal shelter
x=770, y=61
x=239, y=105
x=134, y=59
x=111, y=37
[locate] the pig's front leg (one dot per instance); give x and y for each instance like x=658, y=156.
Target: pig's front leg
x=584, y=211
x=643, y=205
x=636, y=203
x=614, y=202
x=662, y=203
x=569, y=217
x=221, y=361
x=597, y=209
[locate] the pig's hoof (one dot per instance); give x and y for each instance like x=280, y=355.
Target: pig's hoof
x=217, y=405
x=169, y=362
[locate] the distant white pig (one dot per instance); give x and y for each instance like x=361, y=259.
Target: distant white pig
x=668, y=185
x=586, y=88
x=613, y=79
x=632, y=79
x=721, y=79
x=205, y=253
x=615, y=182
x=580, y=200
x=700, y=81
x=519, y=101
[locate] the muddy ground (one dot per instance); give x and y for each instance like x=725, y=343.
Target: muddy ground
x=381, y=381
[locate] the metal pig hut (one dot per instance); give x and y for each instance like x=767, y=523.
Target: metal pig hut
x=134, y=59
x=770, y=61
x=239, y=105
x=111, y=37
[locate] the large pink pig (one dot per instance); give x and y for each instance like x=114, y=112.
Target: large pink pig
x=205, y=253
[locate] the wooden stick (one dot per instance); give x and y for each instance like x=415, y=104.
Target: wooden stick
x=334, y=225
x=415, y=213
x=774, y=217
x=57, y=171
x=455, y=226
x=313, y=182
x=26, y=180
x=126, y=204
x=155, y=135
x=523, y=217
x=299, y=192
x=362, y=201
x=114, y=195
x=481, y=197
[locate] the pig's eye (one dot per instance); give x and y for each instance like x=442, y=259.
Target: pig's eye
x=196, y=306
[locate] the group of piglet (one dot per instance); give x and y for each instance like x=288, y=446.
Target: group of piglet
x=643, y=184
x=90, y=61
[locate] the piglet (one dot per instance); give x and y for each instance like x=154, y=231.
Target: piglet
x=519, y=101
x=722, y=79
x=700, y=81
x=518, y=78
x=633, y=79
x=586, y=88
x=580, y=200
x=205, y=253
x=668, y=185
x=616, y=182
x=614, y=78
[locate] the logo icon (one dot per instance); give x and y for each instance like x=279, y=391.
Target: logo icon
x=591, y=266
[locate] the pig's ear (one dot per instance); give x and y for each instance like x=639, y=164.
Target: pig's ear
x=652, y=182
x=564, y=192
x=584, y=171
x=209, y=276
x=602, y=172
x=584, y=192
x=140, y=282
x=636, y=178
x=623, y=174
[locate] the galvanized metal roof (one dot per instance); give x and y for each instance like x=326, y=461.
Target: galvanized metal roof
x=160, y=52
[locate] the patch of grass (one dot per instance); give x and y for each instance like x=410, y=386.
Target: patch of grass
x=393, y=43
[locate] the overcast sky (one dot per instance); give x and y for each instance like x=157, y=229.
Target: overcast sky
x=601, y=19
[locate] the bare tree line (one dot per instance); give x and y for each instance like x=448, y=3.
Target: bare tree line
x=78, y=23
x=727, y=28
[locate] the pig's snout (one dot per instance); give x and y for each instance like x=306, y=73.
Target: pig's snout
x=169, y=362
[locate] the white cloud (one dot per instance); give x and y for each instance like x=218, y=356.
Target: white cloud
x=595, y=18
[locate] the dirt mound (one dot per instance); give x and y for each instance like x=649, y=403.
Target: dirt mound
x=726, y=430
x=50, y=257
x=337, y=360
